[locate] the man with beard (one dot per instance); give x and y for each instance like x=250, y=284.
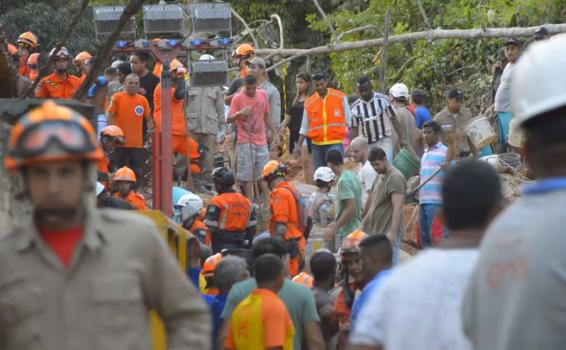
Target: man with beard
x=385, y=214
x=59, y=84
x=73, y=276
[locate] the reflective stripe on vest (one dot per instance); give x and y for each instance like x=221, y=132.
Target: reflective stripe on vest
x=327, y=122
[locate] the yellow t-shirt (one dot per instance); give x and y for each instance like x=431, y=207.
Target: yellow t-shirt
x=260, y=321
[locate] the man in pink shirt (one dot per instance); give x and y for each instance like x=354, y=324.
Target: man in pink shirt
x=250, y=111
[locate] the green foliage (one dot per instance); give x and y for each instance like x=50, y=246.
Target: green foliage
x=433, y=66
x=48, y=21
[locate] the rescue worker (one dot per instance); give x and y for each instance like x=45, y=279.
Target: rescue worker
x=100, y=271
x=284, y=207
x=111, y=137
x=27, y=43
x=352, y=282
x=182, y=144
x=242, y=55
x=191, y=206
x=514, y=297
x=208, y=286
x=33, y=65
x=81, y=61
x=59, y=84
x=326, y=120
x=230, y=216
x=125, y=181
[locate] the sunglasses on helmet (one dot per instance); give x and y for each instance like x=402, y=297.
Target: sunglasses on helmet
x=69, y=136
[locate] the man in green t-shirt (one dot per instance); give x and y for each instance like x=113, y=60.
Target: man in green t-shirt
x=298, y=299
x=348, y=201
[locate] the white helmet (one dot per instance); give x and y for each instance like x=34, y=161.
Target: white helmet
x=116, y=63
x=206, y=57
x=399, y=90
x=99, y=188
x=63, y=52
x=324, y=173
x=536, y=86
x=190, y=204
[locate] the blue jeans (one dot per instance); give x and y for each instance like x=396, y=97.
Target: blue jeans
x=503, y=120
x=426, y=214
x=319, y=153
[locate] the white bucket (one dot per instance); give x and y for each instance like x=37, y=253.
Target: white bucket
x=480, y=131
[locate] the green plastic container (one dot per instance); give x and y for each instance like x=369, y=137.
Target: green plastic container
x=407, y=163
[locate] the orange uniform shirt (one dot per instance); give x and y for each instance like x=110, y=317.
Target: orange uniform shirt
x=177, y=112
x=260, y=321
x=129, y=112
x=53, y=87
x=135, y=199
x=283, y=206
x=23, y=69
x=199, y=229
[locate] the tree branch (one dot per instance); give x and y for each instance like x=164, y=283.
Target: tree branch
x=423, y=13
x=386, y=30
x=66, y=34
x=248, y=29
x=435, y=34
x=355, y=30
x=280, y=24
x=106, y=51
x=326, y=19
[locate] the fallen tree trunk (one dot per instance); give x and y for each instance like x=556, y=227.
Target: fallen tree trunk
x=435, y=34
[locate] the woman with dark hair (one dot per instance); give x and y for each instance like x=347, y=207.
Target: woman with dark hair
x=294, y=118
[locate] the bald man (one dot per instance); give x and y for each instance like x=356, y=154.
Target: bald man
x=359, y=150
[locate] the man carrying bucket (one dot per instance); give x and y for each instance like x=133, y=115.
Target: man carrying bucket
x=453, y=120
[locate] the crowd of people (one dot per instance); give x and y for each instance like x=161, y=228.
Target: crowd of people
x=77, y=276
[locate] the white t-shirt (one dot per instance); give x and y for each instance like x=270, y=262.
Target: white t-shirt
x=367, y=176
x=418, y=306
x=503, y=93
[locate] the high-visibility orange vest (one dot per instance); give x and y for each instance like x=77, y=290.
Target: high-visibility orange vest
x=234, y=217
x=327, y=122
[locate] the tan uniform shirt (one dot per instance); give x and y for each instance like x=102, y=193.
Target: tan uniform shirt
x=120, y=270
x=451, y=123
x=204, y=110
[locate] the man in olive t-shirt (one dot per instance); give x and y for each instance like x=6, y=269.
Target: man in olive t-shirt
x=385, y=215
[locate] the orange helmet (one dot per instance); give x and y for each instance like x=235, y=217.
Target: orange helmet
x=124, y=174
x=304, y=279
x=33, y=59
x=12, y=50
x=27, y=38
x=83, y=56
x=272, y=169
x=51, y=133
x=352, y=242
x=210, y=264
x=112, y=130
x=175, y=64
x=244, y=51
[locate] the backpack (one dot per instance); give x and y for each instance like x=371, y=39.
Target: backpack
x=304, y=218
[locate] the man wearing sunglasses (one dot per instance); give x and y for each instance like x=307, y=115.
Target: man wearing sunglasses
x=73, y=276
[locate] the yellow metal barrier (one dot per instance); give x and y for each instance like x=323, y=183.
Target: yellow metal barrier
x=181, y=243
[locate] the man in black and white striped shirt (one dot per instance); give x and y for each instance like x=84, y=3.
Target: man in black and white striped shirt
x=374, y=114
